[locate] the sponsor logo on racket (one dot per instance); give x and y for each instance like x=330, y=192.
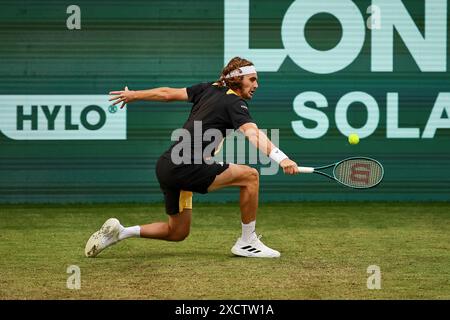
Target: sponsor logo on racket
x=360, y=172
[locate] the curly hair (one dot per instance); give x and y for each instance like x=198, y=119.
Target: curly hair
x=234, y=82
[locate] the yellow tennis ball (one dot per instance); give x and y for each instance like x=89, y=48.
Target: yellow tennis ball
x=353, y=138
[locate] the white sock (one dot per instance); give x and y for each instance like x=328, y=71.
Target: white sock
x=129, y=232
x=248, y=230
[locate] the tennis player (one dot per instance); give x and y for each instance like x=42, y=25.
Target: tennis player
x=219, y=105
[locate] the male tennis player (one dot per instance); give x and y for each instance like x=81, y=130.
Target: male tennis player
x=220, y=105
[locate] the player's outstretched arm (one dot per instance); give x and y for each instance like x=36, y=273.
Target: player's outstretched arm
x=164, y=94
x=260, y=140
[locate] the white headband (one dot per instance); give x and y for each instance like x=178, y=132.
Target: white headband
x=242, y=71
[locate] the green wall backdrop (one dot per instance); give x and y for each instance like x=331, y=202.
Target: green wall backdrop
x=145, y=44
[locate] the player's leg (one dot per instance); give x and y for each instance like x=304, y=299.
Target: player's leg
x=176, y=229
x=179, y=208
x=247, y=179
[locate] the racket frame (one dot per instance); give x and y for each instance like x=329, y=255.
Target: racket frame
x=334, y=165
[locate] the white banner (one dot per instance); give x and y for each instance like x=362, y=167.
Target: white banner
x=61, y=117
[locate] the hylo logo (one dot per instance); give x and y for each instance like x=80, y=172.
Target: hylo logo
x=61, y=117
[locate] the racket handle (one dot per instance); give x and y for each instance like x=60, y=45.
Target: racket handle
x=305, y=169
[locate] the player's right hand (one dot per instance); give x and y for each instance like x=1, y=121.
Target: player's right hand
x=289, y=166
x=124, y=96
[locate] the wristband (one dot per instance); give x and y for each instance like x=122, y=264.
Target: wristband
x=277, y=155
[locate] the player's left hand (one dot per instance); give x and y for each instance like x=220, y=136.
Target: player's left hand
x=289, y=166
x=124, y=96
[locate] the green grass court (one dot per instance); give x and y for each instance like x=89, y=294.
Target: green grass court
x=325, y=251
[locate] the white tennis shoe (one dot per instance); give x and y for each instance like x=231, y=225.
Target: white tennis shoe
x=103, y=238
x=253, y=248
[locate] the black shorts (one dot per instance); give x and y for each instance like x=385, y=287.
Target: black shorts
x=175, y=180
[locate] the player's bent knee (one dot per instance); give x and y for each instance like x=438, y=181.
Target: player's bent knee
x=179, y=225
x=178, y=236
x=252, y=176
x=255, y=174
x=182, y=236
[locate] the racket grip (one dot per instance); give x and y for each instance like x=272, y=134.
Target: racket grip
x=305, y=169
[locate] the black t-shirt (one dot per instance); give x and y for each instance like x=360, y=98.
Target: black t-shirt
x=215, y=109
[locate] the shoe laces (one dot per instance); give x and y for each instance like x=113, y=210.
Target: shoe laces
x=257, y=239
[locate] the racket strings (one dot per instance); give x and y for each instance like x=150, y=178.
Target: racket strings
x=359, y=173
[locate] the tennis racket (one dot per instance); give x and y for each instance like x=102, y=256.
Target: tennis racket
x=356, y=172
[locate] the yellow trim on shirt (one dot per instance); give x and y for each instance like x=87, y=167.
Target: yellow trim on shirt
x=231, y=92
